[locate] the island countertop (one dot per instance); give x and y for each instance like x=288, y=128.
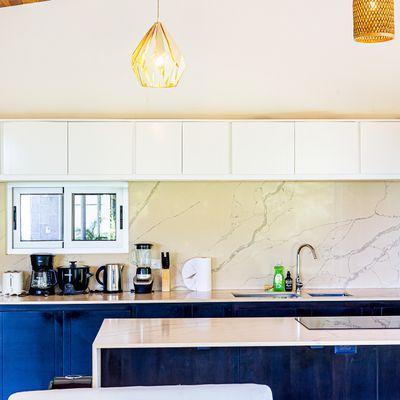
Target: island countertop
x=226, y=332
x=215, y=296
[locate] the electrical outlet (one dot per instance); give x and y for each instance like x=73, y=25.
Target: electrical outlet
x=155, y=263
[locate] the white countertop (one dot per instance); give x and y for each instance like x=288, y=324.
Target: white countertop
x=193, y=297
x=230, y=332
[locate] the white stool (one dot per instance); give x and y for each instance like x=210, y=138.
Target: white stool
x=195, y=392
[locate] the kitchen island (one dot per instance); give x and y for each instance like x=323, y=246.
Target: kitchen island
x=66, y=326
x=280, y=352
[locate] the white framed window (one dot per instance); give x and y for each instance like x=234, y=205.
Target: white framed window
x=68, y=217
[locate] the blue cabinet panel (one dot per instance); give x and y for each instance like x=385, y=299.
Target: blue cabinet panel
x=30, y=347
x=163, y=310
x=80, y=330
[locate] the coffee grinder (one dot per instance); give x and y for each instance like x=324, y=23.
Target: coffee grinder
x=143, y=281
x=43, y=277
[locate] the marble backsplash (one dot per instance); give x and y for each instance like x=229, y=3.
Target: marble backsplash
x=247, y=227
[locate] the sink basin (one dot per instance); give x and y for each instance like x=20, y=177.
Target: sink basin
x=333, y=294
x=268, y=295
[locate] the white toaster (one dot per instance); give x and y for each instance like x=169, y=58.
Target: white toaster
x=13, y=282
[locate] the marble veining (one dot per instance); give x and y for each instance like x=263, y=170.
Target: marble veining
x=357, y=322
x=248, y=227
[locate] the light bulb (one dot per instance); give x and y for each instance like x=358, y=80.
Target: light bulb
x=159, y=61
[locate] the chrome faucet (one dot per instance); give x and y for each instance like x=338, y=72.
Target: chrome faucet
x=299, y=283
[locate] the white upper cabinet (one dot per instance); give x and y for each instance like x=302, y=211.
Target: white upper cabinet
x=34, y=148
x=262, y=148
x=206, y=148
x=158, y=148
x=327, y=148
x=380, y=147
x=100, y=148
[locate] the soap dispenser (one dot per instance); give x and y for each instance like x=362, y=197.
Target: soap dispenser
x=288, y=282
x=279, y=284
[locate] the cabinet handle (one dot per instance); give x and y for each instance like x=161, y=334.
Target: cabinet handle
x=15, y=218
x=121, y=217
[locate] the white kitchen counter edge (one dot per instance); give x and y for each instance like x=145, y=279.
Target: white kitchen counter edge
x=216, y=296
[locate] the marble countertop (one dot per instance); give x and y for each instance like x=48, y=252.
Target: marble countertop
x=191, y=297
x=230, y=332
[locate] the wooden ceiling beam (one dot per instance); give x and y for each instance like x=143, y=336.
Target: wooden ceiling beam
x=7, y=3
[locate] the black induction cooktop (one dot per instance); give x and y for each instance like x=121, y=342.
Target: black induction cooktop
x=330, y=323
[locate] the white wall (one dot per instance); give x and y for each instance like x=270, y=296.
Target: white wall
x=71, y=58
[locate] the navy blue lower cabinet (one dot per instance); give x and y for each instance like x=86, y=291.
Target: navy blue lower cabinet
x=212, y=310
x=32, y=341
x=1, y=355
x=292, y=372
x=176, y=366
x=389, y=372
x=163, y=310
x=271, y=309
x=79, y=330
x=312, y=373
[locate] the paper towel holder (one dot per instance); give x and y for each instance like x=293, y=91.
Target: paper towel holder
x=196, y=274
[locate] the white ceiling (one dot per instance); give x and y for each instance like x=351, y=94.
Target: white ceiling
x=245, y=58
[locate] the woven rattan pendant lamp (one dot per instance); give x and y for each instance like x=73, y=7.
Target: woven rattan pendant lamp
x=157, y=61
x=373, y=20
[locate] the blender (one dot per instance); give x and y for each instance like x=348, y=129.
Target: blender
x=143, y=281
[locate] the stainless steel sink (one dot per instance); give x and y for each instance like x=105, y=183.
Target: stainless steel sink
x=333, y=294
x=268, y=295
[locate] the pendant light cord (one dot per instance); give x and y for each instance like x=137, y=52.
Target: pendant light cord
x=158, y=10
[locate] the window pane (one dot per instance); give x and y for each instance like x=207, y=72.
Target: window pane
x=41, y=217
x=94, y=216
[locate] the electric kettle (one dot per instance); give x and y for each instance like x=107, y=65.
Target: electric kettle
x=112, y=277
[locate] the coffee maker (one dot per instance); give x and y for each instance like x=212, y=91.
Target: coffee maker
x=43, y=277
x=143, y=281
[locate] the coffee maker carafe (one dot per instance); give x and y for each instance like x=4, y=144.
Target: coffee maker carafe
x=143, y=281
x=43, y=277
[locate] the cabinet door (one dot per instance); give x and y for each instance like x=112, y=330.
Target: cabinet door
x=212, y=310
x=35, y=148
x=158, y=148
x=206, y=148
x=267, y=309
x=311, y=373
x=380, y=143
x=261, y=148
x=174, y=310
x=327, y=148
x=169, y=366
x=100, y=148
x=80, y=330
x=31, y=342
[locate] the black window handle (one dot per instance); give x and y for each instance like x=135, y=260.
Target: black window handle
x=121, y=217
x=15, y=218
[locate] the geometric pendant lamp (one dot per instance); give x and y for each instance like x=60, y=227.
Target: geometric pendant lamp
x=157, y=61
x=373, y=20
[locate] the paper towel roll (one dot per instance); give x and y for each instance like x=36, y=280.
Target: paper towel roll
x=196, y=273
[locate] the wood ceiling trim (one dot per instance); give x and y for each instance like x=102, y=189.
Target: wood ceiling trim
x=7, y=3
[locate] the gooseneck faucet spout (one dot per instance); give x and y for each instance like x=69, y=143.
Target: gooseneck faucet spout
x=299, y=283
